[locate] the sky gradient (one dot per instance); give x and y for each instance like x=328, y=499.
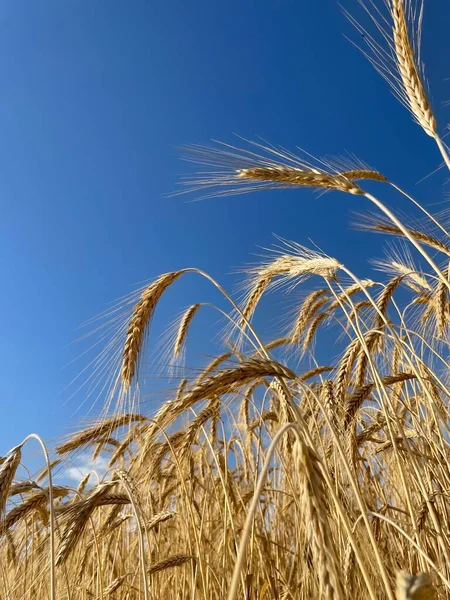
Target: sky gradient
x=96, y=98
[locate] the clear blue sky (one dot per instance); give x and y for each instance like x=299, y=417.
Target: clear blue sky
x=96, y=95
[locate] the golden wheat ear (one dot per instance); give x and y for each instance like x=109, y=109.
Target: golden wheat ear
x=408, y=69
x=7, y=471
x=140, y=320
x=397, y=58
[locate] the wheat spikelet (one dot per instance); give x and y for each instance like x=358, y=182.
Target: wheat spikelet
x=397, y=378
x=98, y=433
x=328, y=395
x=7, y=471
x=415, y=587
x=82, y=485
x=185, y=321
x=349, y=565
x=407, y=68
x=238, y=171
x=115, y=498
x=374, y=339
x=142, y=315
x=334, y=411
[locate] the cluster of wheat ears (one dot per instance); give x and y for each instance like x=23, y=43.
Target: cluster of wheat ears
x=268, y=475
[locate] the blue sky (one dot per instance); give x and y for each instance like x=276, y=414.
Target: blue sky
x=95, y=98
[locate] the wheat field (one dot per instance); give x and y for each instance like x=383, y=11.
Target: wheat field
x=267, y=473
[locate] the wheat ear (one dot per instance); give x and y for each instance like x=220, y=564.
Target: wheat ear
x=292, y=176
x=142, y=315
x=183, y=327
x=407, y=68
x=7, y=472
